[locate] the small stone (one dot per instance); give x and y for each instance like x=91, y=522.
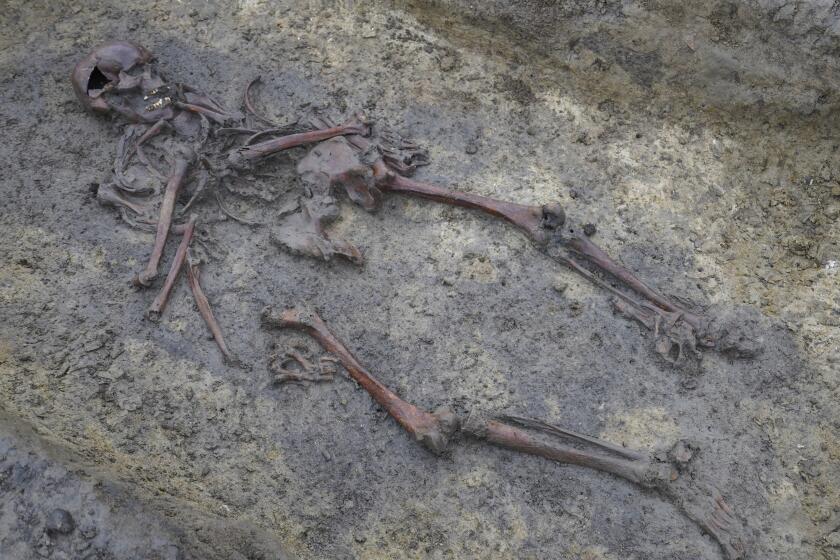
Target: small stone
x=798, y=244
x=465, y=362
x=44, y=546
x=89, y=531
x=716, y=190
x=368, y=32
x=60, y=522
x=835, y=190
x=447, y=62
x=832, y=211
x=130, y=403
x=589, y=230
x=689, y=384
x=560, y=285
x=471, y=147
x=682, y=452
x=360, y=538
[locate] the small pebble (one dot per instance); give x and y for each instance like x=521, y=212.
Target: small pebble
x=60, y=522
x=689, y=384
x=89, y=531
x=589, y=230
x=447, y=62
x=471, y=147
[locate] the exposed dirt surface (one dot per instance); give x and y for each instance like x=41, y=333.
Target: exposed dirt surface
x=700, y=141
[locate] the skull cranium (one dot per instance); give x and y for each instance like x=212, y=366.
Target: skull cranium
x=120, y=77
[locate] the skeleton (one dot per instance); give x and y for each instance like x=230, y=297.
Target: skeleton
x=366, y=168
x=120, y=78
x=670, y=474
x=189, y=131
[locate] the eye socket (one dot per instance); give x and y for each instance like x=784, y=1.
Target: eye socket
x=97, y=80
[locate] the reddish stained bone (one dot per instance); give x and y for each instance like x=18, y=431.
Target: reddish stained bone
x=432, y=430
x=674, y=326
x=249, y=105
x=162, y=298
x=671, y=478
x=510, y=437
x=215, y=116
x=583, y=246
x=531, y=219
x=323, y=372
x=176, y=179
x=697, y=499
x=201, y=301
x=355, y=126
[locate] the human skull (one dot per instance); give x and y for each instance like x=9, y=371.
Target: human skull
x=120, y=77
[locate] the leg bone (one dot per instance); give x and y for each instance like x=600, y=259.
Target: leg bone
x=432, y=430
x=672, y=478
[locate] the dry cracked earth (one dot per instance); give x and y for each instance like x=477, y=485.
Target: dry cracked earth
x=699, y=140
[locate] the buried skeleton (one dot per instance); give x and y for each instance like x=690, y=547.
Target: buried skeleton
x=180, y=143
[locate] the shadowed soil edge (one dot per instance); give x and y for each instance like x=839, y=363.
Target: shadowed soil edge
x=699, y=140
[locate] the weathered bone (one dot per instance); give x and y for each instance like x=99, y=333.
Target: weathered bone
x=303, y=232
x=121, y=78
x=248, y=153
x=432, y=430
x=167, y=207
x=309, y=372
x=673, y=477
x=203, y=304
x=158, y=305
x=365, y=175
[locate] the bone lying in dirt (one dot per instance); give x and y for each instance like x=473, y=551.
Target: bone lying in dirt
x=174, y=121
x=308, y=372
x=162, y=298
x=167, y=207
x=673, y=477
x=252, y=152
x=345, y=163
x=203, y=304
x=430, y=429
